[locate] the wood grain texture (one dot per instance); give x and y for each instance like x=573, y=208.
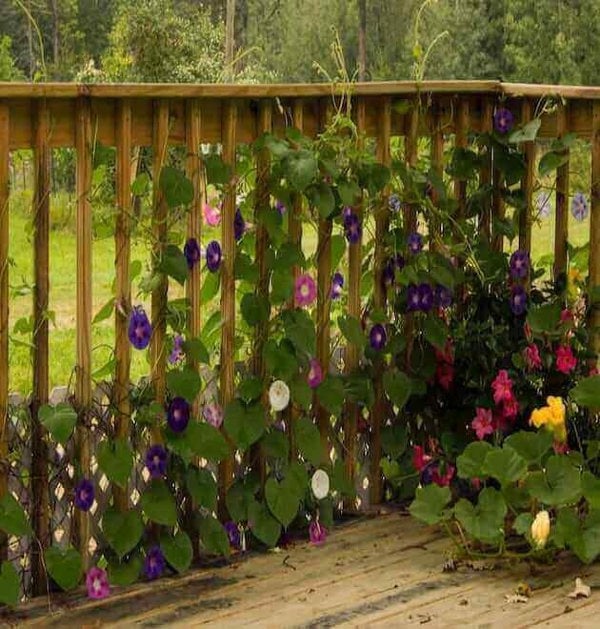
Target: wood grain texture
x=40, y=514
x=594, y=262
x=379, y=300
x=461, y=141
x=123, y=286
x=527, y=183
x=4, y=309
x=160, y=228
x=227, y=362
x=83, y=388
x=411, y=156
x=485, y=218
x=437, y=164
x=262, y=204
x=352, y=352
x=561, y=228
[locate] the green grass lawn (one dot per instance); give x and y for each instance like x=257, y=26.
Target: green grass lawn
x=62, y=294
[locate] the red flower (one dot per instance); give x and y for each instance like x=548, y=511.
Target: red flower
x=510, y=408
x=442, y=481
x=444, y=375
x=502, y=387
x=420, y=459
x=566, y=315
x=531, y=354
x=565, y=360
x=483, y=424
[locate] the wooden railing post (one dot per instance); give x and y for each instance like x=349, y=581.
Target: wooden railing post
x=487, y=124
x=123, y=285
x=594, y=262
x=4, y=224
x=40, y=512
x=227, y=361
x=561, y=228
x=158, y=356
x=261, y=204
x=461, y=141
x=437, y=165
x=525, y=217
x=83, y=390
x=379, y=299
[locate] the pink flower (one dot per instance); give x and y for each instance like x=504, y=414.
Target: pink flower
x=420, y=459
x=566, y=315
x=315, y=374
x=510, y=408
x=502, y=386
x=443, y=481
x=212, y=215
x=444, y=375
x=96, y=582
x=531, y=354
x=565, y=360
x=317, y=533
x=483, y=424
x=305, y=290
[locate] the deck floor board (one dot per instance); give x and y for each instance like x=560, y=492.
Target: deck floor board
x=374, y=572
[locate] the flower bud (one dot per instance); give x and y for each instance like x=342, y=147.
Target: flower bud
x=540, y=529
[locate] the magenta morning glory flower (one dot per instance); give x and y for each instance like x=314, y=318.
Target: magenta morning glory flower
x=503, y=120
x=315, y=374
x=305, y=290
x=280, y=207
x=443, y=296
x=378, y=337
x=415, y=243
x=394, y=203
x=178, y=414
x=156, y=461
x=352, y=228
x=518, y=300
x=213, y=256
x=233, y=534
x=519, y=264
x=579, y=206
x=239, y=224
x=317, y=532
x=154, y=564
x=177, y=354
x=191, y=251
x=337, y=284
x=425, y=297
x=84, y=494
x=96, y=583
x=140, y=329
x=213, y=414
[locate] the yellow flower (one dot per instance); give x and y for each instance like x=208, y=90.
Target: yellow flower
x=540, y=529
x=552, y=417
x=540, y=417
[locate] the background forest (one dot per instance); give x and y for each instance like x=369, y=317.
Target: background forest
x=548, y=41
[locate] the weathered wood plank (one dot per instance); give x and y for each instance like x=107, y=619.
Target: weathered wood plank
x=485, y=218
x=525, y=217
x=561, y=228
x=594, y=261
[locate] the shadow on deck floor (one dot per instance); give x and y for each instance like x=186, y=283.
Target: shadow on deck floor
x=376, y=571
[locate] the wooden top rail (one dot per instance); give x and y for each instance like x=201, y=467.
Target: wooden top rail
x=61, y=99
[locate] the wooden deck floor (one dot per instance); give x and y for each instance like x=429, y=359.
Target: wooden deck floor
x=383, y=571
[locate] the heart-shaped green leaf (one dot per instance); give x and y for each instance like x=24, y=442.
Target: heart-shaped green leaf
x=122, y=530
x=177, y=550
x=58, y=420
x=64, y=566
x=115, y=459
x=125, y=573
x=213, y=536
x=12, y=517
x=10, y=585
x=282, y=501
x=158, y=504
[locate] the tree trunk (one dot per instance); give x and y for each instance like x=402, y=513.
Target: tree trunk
x=229, y=40
x=362, y=40
x=55, y=32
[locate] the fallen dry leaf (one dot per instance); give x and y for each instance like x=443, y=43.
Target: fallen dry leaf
x=581, y=590
x=515, y=598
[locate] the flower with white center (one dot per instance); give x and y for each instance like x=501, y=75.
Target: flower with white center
x=540, y=529
x=279, y=395
x=320, y=484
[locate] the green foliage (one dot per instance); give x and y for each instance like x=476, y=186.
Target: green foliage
x=58, y=420
x=158, y=504
x=123, y=530
x=430, y=503
x=64, y=566
x=177, y=550
x=116, y=460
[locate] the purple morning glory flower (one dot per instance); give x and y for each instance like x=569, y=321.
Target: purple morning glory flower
x=579, y=206
x=337, y=284
x=443, y=296
x=518, y=299
x=352, y=228
x=378, y=337
x=177, y=354
x=156, y=461
x=415, y=243
x=178, y=414
x=191, y=251
x=239, y=225
x=388, y=274
x=233, y=534
x=140, y=329
x=519, y=264
x=394, y=203
x=413, y=298
x=425, y=297
x=213, y=256
x=154, y=564
x=84, y=494
x=346, y=212
x=503, y=120
x=280, y=207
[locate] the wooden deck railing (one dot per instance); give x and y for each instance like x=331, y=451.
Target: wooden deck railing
x=42, y=117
